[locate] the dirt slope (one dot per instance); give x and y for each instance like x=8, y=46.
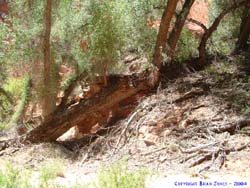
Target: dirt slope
x=178, y=130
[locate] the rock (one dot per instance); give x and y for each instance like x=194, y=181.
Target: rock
x=143, y=130
x=161, y=124
x=150, y=139
x=72, y=133
x=130, y=58
x=166, y=133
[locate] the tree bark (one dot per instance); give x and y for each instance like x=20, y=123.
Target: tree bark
x=176, y=32
x=197, y=23
x=244, y=32
x=213, y=27
x=4, y=8
x=161, y=42
x=91, y=111
x=48, y=102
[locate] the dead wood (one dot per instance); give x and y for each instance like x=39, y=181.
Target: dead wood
x=194, y=92
x=231, y=127
x=69, y=90
x=198, y=148
x=93, y=110
x=15, y=142
x=211, y=151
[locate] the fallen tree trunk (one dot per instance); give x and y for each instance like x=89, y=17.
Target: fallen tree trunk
x=93, y=110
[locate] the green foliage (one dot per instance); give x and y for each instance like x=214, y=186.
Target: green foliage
x=70, y=20
x=12, y=177
x=23, y=100
x=49, y=172
x=115, y=176
x=103, y=35
x=13, y=87
x=107, y=27
x=3, y=126
x=26, y=30
x=115, y=26
x=6, y=42
x=224, y=38
x=137, y=33
x=118, y=176
x=187, y=46
x=5, y=110
x=18, y=90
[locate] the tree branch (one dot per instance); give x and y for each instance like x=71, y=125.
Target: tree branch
x=197, y=23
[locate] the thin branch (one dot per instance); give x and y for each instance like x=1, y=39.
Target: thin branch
x=197, y=23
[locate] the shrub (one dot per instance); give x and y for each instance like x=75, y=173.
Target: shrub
x=187, y=46
x=12, y=177
x=119, y=176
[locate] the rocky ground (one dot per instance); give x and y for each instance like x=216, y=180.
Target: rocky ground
x=196, y=126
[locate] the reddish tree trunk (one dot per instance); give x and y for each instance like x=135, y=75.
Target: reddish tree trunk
x=161, y=42
x=4, y=8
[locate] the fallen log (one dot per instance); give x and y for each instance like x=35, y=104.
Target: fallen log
x=94, y=110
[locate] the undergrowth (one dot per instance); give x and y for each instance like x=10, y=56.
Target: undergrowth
x=119, y=176
x=115, y=176
x=14, y=177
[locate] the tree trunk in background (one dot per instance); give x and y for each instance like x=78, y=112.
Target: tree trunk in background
x=244, y=32
x=48, y=101
x=161, y=42
x=176, y=32
x=213, y=27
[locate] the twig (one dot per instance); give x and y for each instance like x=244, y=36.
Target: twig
x=125, y=130
x=207, y=167
x=155, y=151
x=189, y=157
x=197, y=148
x=84, y=158
x=190, y=94
x=201, y=159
